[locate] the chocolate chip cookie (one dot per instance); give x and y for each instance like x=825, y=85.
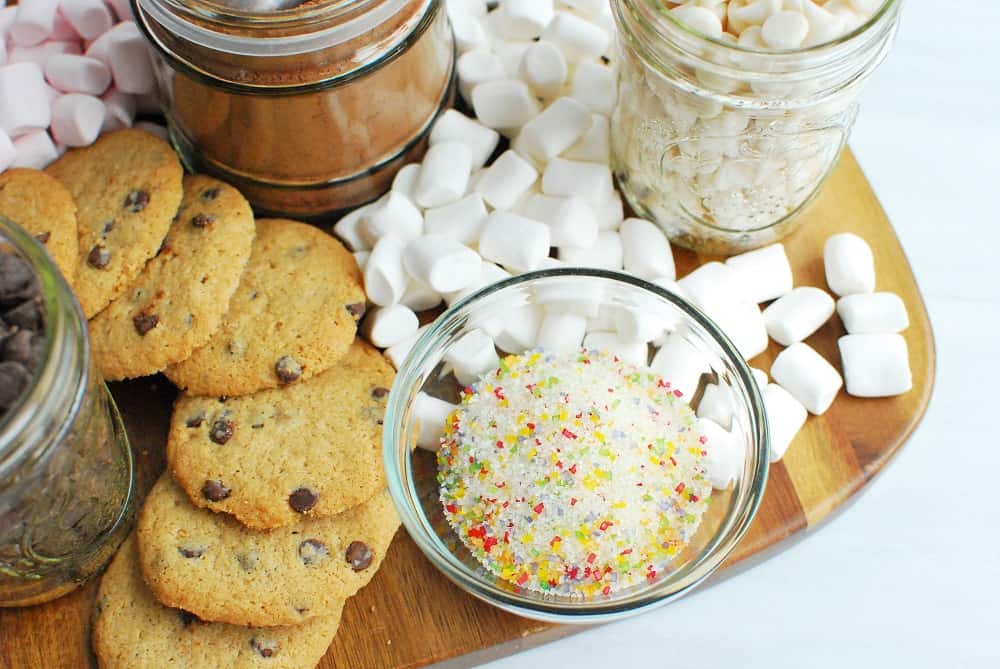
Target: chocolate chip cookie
x=42, y=206
x=132, y=630
x=127, y=188
x=216, y=568
x=294, y=315
x=178, y=300
x=270, y=458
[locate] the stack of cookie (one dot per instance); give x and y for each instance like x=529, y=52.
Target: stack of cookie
x=274, y=509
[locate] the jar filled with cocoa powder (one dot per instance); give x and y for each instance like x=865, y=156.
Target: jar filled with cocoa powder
x=308, y=110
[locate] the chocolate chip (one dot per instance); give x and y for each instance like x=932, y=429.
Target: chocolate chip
x=264, y=647
x=43, y=237
x=357, y=310
x=313, y=551
x=136, y=201
x=303, y=499
x=17, y=347
x=108, y=227
x=359, y=555
x=248, y=561
x=195, y=421
x=144, y=322
x=190, y=552
x=187, y=618
x=214, y=491
x=14, y=378
x=27, y=315
x=164, y=247
x=222, y=431
x=16, y=278
x=379, y=392
x=287, y=369
x=99, y=257
x=210, y=194
x=202, y=220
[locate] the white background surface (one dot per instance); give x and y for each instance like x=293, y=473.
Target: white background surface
x=909, y=576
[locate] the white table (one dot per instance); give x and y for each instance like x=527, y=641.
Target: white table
x=909, y=576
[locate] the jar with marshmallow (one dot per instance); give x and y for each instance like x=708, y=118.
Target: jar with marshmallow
x=732, y=113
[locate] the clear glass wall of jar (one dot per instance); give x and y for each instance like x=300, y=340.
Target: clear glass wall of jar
x=66, y=469
x=308, y=110
x=724, y=146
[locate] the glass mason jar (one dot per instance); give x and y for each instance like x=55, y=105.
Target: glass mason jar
x=66, y=469
x=723, y=145
x=308, y=110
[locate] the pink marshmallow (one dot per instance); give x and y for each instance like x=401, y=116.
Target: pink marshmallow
x=77, y=74
x=99, y=48
x=24, y=102
x=52, y=93
x=131, y=63
x=7, y=151
x=7, y=16
x=34, y=21
x=123, y=9
x=40, y=53
x=77, y=119
x=34, y=150
x=3, y=49
x=62, y=29
x=90, y=18
x=119, y=110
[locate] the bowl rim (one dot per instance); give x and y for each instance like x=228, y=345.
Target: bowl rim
x=399, y=471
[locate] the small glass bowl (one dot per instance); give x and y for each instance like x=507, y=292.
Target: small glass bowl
x=412, y=471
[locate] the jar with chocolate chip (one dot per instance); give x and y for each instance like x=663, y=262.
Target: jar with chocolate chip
x=308, y=110
x=66, y=469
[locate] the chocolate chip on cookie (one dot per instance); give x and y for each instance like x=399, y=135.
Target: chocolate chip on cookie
x=209, y=194
x=214, y=491
x=313, y=551
x=136, y=201
x=379, y=392
x=287, y=370
x=222, y=431
x=202, y=220
x=359, y=555
x=196, y=420
x=43, y=237
x=190, y=552
x=144, y=322
x=302, y=499
x=265, y=648
x=99, y=257
x=357, y=309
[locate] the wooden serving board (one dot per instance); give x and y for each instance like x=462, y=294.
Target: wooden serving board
x=411, y=616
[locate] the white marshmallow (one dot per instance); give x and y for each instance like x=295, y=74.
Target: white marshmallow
x=804, y=373
x=725, y=455
x=514, y=241
x=609, y=214
x=594, y=146
x=420, y=297
x=35, y=150
x=455, y=126
x=711, y=285
x=441, y=262
x=568, y=294
x=873, y=313
x=123, y=9
x=571, y=221
x=875, y=365
x=680, y=364
x=466, y=7
x=744, y=324
x=716, y=404
x=523, y=19
x=385, y=276
x=631, y=352
x=567, y=178
x=77, y=74
x=396, y=354
x=785, y=417
x=511, y=54
x=489, y=274
x=405, y=181
x=7, y=151
x=785, y=30
x=469, y=32
x=646, y=251
x=476, y=67
x=764, y=273
x=504, y=104
x=40, y=54
x=392, y=214
x=119, y=110
x=462, y=220
x=642, y=323
x=430, y=415
x=504, y=182
x=361, y=259
x=795, y=316
x=33, y=22
x=77, y=119
x=544, y=69
x=849, y=264
x=24, y=102
x=577, y=38
x=153, y=129
x=519, y=329
x=701, y=19
x=348, y=229
x=89, y=18
x=759, y=376
x=595, y=86
x=472, y=356
x=62, y=29
x=561, y=332
x=131, y=65
x=554, y=130
x=387, y=326
x=605, y=253
x=100, y=48
x=444, y=174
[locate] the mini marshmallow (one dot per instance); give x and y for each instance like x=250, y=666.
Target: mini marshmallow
x=476, y=67
x=89, y=18
x=405, y=181
x=35, y=150
x=567, y=178
x=441, y=262
x=348, y=229
x=712, y=284
x=41, y=53
x=77, y=74
x=605, y=253
x=472, y=356
x=77, y=119
x=759, y=376
x=119, y=110
x=24, y=102
x=784, y=30
x=419, y=296
x=804, y=373
x=631, y=352
x=554, y=130
x=430, y=415
x=577, y=38
x=798, y=314
x=849, y=264
x=123, y=9
x=701, y=19
x=680, y=364
x=33, y=22
x=561, y=332
x=571, y=221
x=7, y=151
x=609, y=214
x=725, y=456
x=785, y=417
x=462, y=220
x=875, y=365
x=444, y=174
x=523, y=19
x=131, y=65
x=646, y=251
x=455, y=126
x=519, y=329
x=594, y=146
x=469, y=33
x=743, y=323
x=489, y=274
x=385, y=277
x=716, y=404
x=595, y=86
x=466, y=7
x=387, y=326
x=392, y=214
x=873, y=313
x=62, y=29
x=573, y=295
x=543, y=68
x=764, y=273
x=511, y=54
x=504, y=182
x=514, y=241
x=643, y=323
x=504, y=104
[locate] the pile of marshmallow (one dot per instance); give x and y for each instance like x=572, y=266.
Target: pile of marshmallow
x=69, y=70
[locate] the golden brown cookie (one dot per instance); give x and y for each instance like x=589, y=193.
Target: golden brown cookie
x=178, y=300
x=294, y=315
x=42, y=206
x=127, y=188
x=211, y=565
x=132, y=630
x=313, y=448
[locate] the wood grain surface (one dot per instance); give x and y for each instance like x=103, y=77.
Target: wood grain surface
x=411, y=616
